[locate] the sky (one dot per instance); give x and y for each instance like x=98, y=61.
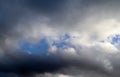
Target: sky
x=59, y=38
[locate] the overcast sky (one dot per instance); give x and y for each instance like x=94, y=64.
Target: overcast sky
x=59, y=38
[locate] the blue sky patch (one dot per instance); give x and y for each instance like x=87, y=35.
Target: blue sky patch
x=43, y=45
x=115, y=39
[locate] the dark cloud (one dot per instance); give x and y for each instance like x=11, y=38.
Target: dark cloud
x=12, y=11
x=44, y=6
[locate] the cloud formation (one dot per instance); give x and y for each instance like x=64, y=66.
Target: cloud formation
x=59, y=38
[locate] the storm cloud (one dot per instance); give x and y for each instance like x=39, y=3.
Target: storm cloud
x=59, y=38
